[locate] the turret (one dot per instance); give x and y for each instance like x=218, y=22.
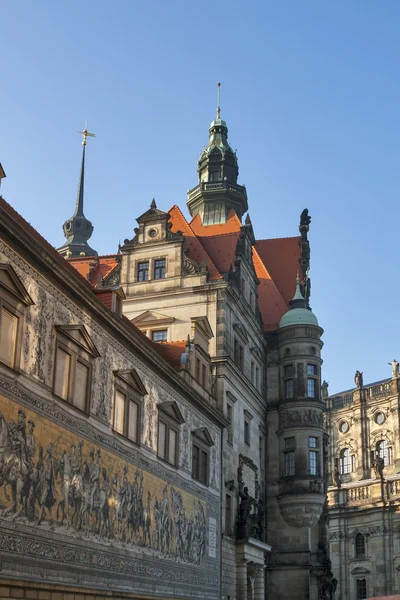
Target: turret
x=301, y=429
x=217, y=191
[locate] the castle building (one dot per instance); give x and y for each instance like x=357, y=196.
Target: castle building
x=233, y=421
x=363, y=496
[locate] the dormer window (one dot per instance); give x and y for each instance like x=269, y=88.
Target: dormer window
x=160, y=335
x=160, y=268
x=143, y=271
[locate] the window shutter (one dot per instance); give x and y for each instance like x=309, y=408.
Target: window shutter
x=162, y=429
x=8, y=337
x=172, y=447
x=81, y=383
x=63, y=363
x=133, y=421
x=119, y=412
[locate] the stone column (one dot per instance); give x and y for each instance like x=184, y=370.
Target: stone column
x=241, y=580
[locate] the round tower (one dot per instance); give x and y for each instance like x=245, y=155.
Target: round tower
x=301, y=426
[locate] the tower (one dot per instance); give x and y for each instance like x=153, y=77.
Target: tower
x=217, y=191
x=78, y=229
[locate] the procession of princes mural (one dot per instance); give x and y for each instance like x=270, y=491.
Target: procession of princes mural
x=49, y=481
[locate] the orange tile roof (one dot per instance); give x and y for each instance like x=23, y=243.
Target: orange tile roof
x=170, y=351
x=281, y=258
x=270, y=301
x=94, y=268
x=222, y=249
x=194, y=247
x=232, y=225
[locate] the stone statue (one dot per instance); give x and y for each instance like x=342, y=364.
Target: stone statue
x=305, y=219
x=327, y=585
x=378, y=466
x=336, y=479
x=395, y=367
x=324, y=389
x=246, y=503
x=358, y=379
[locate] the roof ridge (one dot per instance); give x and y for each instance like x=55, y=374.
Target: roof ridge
x=290, y=237
x=196, y=236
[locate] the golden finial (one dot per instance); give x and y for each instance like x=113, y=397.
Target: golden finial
x=86, y=134
x=219, y=101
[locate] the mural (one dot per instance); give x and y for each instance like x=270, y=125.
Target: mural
x=50, y=478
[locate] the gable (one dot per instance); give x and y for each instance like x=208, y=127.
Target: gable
x=10, y=281
x=131, y=377
x=151, y=317
x=79, y=335
x=171, y=409
x=203, y=434
x=204, y=325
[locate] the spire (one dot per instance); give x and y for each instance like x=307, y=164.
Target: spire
x=298, y=300
x=219, y=101
x=78, y=229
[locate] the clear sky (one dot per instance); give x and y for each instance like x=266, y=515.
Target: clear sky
x=311, y=94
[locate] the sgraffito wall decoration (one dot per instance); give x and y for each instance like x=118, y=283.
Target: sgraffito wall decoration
x=55, y=482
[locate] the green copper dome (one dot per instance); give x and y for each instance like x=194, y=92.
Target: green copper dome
x=298, y=314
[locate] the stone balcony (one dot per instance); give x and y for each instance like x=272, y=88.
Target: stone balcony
x=217, y=186
x=369, y=491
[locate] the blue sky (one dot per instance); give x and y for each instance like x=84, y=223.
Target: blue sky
x=311, y=94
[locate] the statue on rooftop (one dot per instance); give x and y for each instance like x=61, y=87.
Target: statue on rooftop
x=395, y=367
x=358, y=379
x=305, y=219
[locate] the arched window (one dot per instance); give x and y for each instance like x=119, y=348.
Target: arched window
x=361, y=589
x=359, y=545
x=384, y=452
x=345, y=463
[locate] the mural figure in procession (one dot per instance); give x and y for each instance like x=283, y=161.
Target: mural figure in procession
x=69, y=487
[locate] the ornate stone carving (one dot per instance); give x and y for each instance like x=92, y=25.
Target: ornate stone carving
x=189, y=266
x=298, y=418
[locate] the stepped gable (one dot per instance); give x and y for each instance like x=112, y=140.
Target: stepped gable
x=95, y=268
x=281, y=258
x=195, y=249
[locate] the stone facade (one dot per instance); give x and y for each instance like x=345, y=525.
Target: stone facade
x=82, y=504
x=363, y=497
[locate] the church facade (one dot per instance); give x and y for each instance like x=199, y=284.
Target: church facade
x=200, y=455
x=363, y=496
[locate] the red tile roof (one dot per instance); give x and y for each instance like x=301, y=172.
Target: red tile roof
x=95, y=268
x=281, y=258
x=170, y=351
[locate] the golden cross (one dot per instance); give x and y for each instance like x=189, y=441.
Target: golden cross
x=86, y=134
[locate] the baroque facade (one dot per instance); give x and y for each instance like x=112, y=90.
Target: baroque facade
x=205, y=403
x=363, y=496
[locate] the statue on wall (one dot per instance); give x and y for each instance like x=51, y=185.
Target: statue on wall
x=245, y=506
x=336, y=478
x=395, y=367
x=327, y=585
x=358, y=379
x=324, y=389
x=378, y=465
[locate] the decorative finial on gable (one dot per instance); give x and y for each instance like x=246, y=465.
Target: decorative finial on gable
x=153, y=204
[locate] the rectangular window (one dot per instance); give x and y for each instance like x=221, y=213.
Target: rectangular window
x=62, y=374
x=196, y=462
x=81, y=385
x=8, y=337
x=290, y=443
x=311, y=369
x=258, y=378
x=172, y=446
x=312, y=455
x=289, y=389
x=200, y=464
x=313, y=442
x=252, y=373
x=143, y=271
x=246, y=432
x=228, y=514
x=160, y=269
x=126, y=416
x=311, y=388
x=161, y=335
x=262, y=452
x=204, y=467
x=289, y=463
x=361, y=586
x=288, y=371
x=198, y=369
x=229, y=416
x=168, y=440
x=238, y=354
x=203, y=375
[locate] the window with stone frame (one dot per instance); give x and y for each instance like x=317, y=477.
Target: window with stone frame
x=169, y=421
x=384, y=451
x=238, y=354
x=290, y=457
x=143, y=271
x=288, y=381
x=128, y=401
x=361, y=589
x=159, y=335
x=345, y=462
x=359, y=545
x=201, y=444
x=14, y=299
x=312, y=380
x=313, y=455
x=229, y=416
x=160, y=268
x=74, y=356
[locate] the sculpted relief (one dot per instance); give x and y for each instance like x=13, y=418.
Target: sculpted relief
x=54, y=480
